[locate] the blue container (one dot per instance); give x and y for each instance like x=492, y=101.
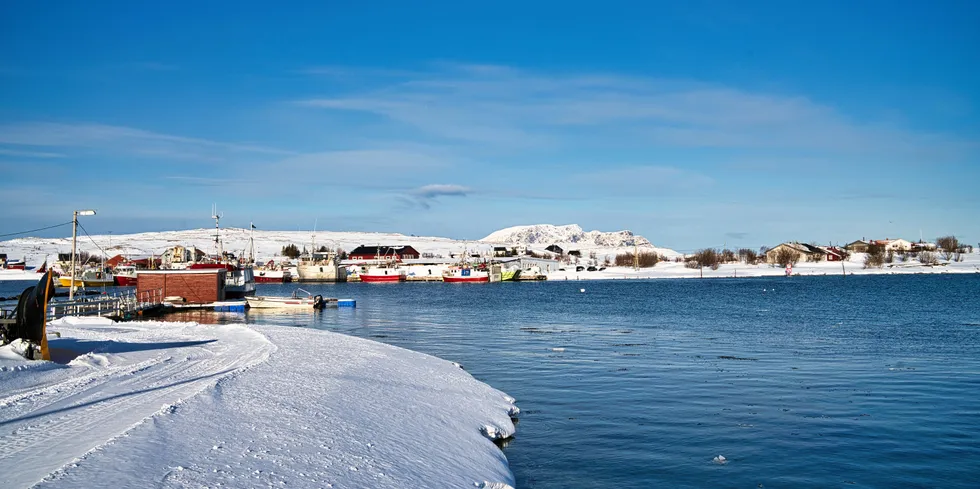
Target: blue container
x=346, y=303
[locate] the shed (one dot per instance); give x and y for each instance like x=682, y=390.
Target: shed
x=195, y=286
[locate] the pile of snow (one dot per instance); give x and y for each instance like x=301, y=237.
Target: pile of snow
x=548, y=234
x=181, y=404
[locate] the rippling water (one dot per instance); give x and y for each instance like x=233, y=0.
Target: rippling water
x=801, y=382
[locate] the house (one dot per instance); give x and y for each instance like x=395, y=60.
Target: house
x=501, y=251
x=807, y=252
x=399, y=253
x=923, y=246
x=555, y=249
x=833, y=253
x=575, y=253
x=893, y=244
x=180, y=256
x=859, y=246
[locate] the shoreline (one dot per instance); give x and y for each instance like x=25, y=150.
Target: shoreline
x=670, y=270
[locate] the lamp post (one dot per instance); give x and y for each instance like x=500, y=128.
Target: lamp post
x=74, y=236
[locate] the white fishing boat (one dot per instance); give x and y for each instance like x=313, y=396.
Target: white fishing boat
x=309, y=301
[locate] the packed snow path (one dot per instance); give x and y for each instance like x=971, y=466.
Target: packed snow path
x=275, y=406
x=56, y=414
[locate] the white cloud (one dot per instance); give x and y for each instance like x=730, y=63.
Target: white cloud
x=121, y=140
x=507, y=107
x=29, y=154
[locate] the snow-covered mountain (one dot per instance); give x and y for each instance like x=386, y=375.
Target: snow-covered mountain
x=547, y=234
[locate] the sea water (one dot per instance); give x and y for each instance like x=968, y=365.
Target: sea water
x=853, y=381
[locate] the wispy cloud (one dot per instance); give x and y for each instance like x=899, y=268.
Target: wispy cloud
x=121, y=140
x=29, y=154
x=501, y=105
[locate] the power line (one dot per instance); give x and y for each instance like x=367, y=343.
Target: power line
x=35, y=230
x=92, y=240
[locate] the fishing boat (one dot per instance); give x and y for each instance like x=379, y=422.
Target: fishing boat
x=385, y=269
x=239, y=278
x=383, y=273
x=125, y=275
x=272, y=274
x=465, y=274
x=92, y=277
x=320, y=266
x=295, y=302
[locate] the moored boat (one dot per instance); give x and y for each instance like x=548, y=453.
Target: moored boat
x=294, y=302
x=321, y=267
x=93, y=277
x=125, y=275
x=382, y=273
x=465, y=274
x=239, y=280
x=268, y=276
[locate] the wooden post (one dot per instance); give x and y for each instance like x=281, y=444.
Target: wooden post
x=45, y=352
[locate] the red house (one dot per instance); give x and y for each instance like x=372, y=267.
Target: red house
x=398, y=253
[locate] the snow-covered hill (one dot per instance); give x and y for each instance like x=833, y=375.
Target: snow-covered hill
x=547, y=234
x=268, y=244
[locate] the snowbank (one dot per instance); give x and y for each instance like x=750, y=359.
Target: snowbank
x=182, y=404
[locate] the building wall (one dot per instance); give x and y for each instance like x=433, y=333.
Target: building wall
x=195, y=288
x=857, y=247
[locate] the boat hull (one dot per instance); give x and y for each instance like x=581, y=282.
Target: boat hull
x=66, y=282
x=321, y=273
x=381, y=278
x=462, y=280
x=272, y=276
x=124, y=281
x=288, y=302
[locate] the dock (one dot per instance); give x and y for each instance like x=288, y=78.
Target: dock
x=120, y=306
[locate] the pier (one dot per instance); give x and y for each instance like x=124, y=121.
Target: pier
x=121, y=306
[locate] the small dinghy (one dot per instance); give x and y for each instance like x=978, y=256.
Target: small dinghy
x=296, y=301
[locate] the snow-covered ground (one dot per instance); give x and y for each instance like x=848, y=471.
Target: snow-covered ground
x=854, y=266
x=151, y=404
x=269, y=244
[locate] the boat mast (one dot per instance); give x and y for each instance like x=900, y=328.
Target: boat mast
x=251, y=242
x=217, y=238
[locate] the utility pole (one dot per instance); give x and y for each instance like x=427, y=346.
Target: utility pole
x=843, y=255
x=74, y=239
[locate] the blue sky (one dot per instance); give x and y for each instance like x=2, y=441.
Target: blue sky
x=694, y=124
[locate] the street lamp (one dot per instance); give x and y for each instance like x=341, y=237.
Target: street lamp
x=74, y=236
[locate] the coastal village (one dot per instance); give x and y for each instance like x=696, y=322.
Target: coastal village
x=206, y=267
x=555, y=252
